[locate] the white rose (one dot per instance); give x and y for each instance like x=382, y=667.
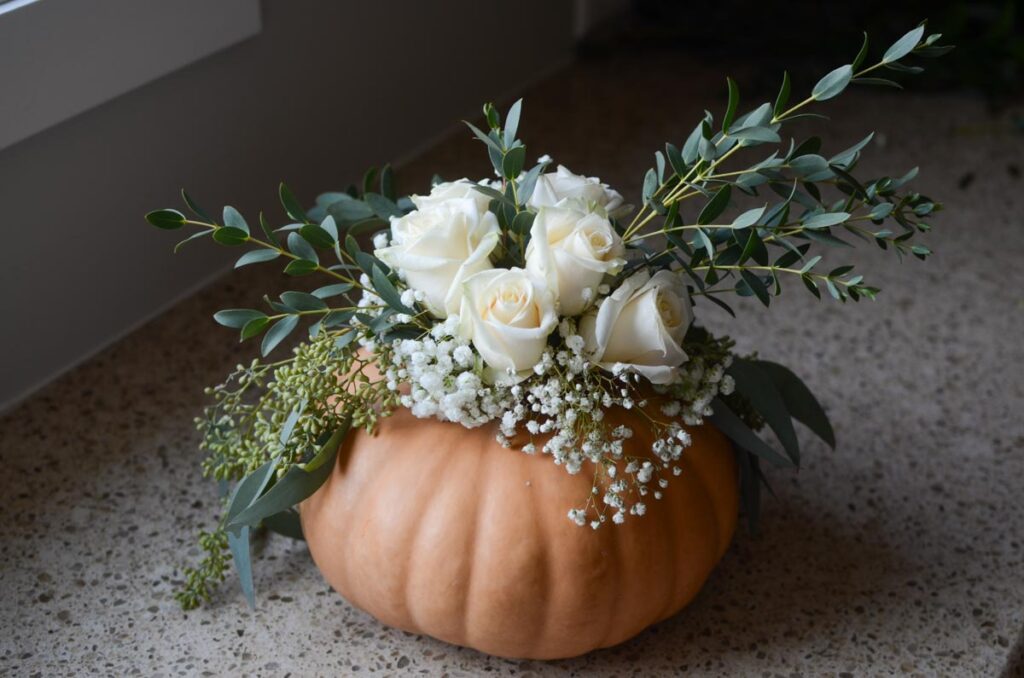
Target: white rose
x=435, y=249
x=452, y=190
x=554, y=187
x=572, y=251
x=641, y=325
x=508, y=315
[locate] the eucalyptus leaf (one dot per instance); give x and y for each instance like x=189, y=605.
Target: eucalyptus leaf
x=832, y=84
x=346, y=212
x=289, y=424
x=236, y=318
x=253, y=328
x=317, y=236
x=824, y=220
x=513, y=161
x=386, y=291
x=303, y=301
x=650, y=185
x=285, y=523
x=256, y=257
x=714, y=207
x=756, y=134
x=381, y=206
x=250, y=487
x=734, y=100
x=799, y=400
x=234, y=219
x=726, y=421
x=756, y=285
x=192, y=205
x=291, y=204
x=759, y=388
x=194, y=236
x=167, y=219
x=748, y=218
x=281, y=329
x=301, y=248
x=297, y=484
x=783, y=96
x=529, y=183
x=229, y=235
x=861, y=54
x=332, y=290
x=512, y=122
x=238, y=544
x=903, y=46
x=298, y=267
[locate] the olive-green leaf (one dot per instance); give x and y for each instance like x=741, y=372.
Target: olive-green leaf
x=733, y=427
x=166, y=219
x=730, y=109
x=799, y=400
x=229, y=235
x=513, y=161
x=863, y=52
x=298, y=483
x=298, y=267
x=291, y=204
x=286, y=524
x=764, y=395
x=783, y=96
x=303, y=301
x=317, y=236
x=281, y=329
x=253, y=327
x=301, y=248
x=714, y=207
x=756, y=286
x=237, y=317
x=386, y=290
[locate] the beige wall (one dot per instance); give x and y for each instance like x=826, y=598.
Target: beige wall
x=327, y=89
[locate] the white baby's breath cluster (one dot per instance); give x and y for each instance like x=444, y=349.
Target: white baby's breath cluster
x=549, y=348
x=442, y=377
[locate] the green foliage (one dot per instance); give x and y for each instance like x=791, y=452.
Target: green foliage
x=202, y=580
x=818, y=200
x=274, y=427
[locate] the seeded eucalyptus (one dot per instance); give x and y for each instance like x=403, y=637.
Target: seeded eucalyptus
x=501, y=302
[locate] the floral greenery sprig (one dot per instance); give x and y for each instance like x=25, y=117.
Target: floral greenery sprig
x=529, y=303
x=733, y=255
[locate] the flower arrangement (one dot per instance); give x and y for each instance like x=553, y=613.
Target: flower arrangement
x=537, y=300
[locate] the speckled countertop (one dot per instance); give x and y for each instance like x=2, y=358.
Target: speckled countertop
x=902, y=552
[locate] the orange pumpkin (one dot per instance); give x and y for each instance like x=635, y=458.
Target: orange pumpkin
x=436, y=529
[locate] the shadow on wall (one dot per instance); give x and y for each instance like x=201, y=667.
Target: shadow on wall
x=324, y=91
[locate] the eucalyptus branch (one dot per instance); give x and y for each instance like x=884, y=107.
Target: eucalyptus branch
x=798, y=176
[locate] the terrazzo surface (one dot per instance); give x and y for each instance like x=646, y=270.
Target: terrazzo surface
x=899, y=553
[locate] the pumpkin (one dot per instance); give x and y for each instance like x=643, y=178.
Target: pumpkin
x=437, y=529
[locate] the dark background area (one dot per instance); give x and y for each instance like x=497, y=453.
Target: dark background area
x=804, y=36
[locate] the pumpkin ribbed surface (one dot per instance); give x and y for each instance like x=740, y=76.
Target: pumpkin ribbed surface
x=436, y=529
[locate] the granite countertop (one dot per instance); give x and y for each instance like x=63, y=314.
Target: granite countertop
x=900, y=553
